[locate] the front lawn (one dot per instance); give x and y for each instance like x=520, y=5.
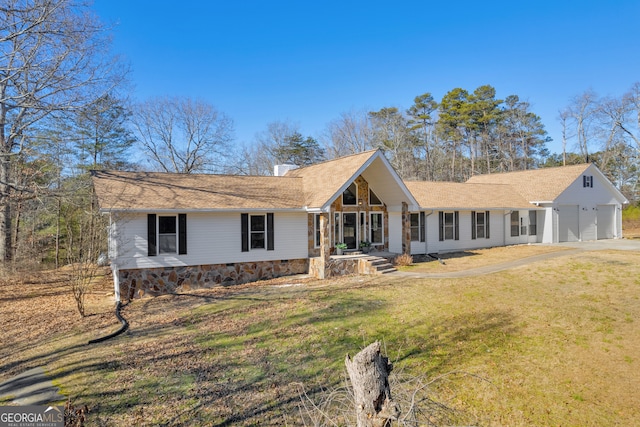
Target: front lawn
x=552, y=343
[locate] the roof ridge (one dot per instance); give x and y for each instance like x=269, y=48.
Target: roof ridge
x=535, y=170
x=184, y=174
x=336, y=159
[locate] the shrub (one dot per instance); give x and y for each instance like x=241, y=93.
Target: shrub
x=403, y=260
x=631, y=213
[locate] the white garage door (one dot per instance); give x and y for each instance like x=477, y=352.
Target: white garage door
x=606, y=221
x=568, y=230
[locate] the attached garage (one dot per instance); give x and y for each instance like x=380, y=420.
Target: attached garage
x=606, y=221
x=568, y=223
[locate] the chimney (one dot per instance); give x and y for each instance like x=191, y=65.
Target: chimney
x=281, y=170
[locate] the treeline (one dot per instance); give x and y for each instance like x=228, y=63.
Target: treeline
x=64, y=111
x=463, y=134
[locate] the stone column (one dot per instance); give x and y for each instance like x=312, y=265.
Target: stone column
x=325, y=246
x=406, y=229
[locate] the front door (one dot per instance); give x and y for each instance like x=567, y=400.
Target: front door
x=349, y=230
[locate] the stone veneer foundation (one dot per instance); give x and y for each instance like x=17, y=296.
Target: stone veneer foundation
x=340, y=267
x=136, y=283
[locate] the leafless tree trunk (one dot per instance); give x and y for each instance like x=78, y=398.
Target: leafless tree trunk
x=182, y=135
x=53, y=57
x=351, y=133
x=369, y=374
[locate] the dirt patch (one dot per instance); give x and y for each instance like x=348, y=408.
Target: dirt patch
x=631, y=229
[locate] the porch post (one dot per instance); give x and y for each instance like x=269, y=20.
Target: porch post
x=406, y=229
x=325, y=246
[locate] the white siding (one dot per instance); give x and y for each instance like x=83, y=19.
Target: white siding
x=212, y=238
x=395, y=232
x=496, y=233
x=545, y=225
x=418, y=248
x=586, y=200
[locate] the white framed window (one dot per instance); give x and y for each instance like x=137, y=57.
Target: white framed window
x=449, y=228
x=587, y=181
x=415, y=227
x=316, y=230
x=480, y=225
x=373, y=199
x=257, y=230
x=350, y=195
x=167, y=234
x=515, y=223
x=533, y=223
x=376, y=229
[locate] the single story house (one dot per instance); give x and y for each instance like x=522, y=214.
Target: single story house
x=172, y=232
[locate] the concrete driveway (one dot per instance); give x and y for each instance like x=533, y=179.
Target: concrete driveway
x=609, y=244
x=575, y=247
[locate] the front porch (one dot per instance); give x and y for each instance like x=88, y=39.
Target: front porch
x=351, y=263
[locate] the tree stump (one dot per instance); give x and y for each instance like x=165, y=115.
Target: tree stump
x=369, y=374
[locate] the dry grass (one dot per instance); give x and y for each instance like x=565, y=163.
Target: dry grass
x=557, y=342
x=631, y=229
x=403, y=260
x=465, y=260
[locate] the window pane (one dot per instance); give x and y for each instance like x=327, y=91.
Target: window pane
x=257, y=223
x=349, y=197
x=415, y=220
x=515, y=226
x=167, y=243
x=167, y=225
x=448, y=218
x=480, y=225
x=349, y=230
x=257, y=241
x=317, y=227
x=376, y=228
x=373, y=199
x=448, y=233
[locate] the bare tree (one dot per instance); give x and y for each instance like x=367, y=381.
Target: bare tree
x=632, y=100
x=392, y=134
x=582, y=113
x=260, y=157
x=563, y=116
x=350, y=133
x=54, y=57
x=183, y=135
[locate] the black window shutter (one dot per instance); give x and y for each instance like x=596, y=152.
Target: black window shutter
x=244, y=225
x=422, y=227
x=591, y=181
x=473, y=224
x=270, y=234
x=456, y=219
x=182, y=234
x=486, y=224
x=151, y=235
x=441, y=226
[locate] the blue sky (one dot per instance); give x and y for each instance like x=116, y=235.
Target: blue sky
x=307, y=62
